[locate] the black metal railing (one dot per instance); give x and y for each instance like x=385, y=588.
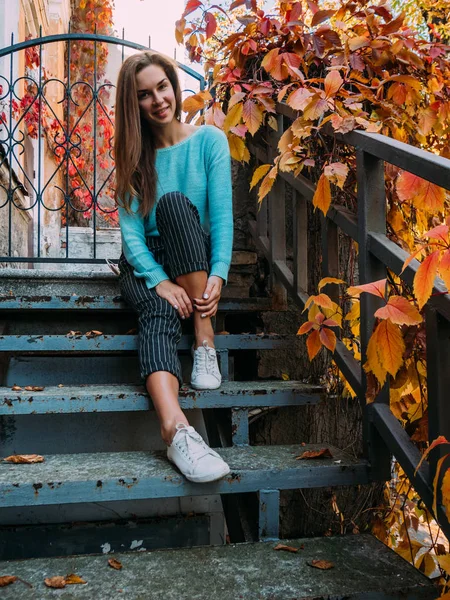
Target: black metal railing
x=56, y=141
x=383, y=434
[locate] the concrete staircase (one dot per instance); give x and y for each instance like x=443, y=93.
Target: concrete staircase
x=106, y=486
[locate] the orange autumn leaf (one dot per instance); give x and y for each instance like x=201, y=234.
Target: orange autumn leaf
x=55, y=582
x=321, y=564
x=373, y=363
x=444, y=268
x=286, y=548
x=306, y=327
x=328, y=338
x=439, y=233
x=322, y=195
x=252, y=115
x=266, y=184
x=238, y=149
x=437, y=475
x=336, y=173
x=259, y=174
x=320, y=300
x=313, y=344
x=24, y=458
x=322, y=453
x=391, y=347
x=423, y=194
x=377, y=288
x=73, y=579
x=326, y=280
x=399, y=311
x=7, y=580
x=424, y=278
x=333, y=82
x=437, y=442
x=115, y=564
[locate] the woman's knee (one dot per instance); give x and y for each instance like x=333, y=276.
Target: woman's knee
x=176, y=205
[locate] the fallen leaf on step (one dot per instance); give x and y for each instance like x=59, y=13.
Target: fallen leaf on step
x=55, y=582
x=131, y=332
x=16, y=388
x=114, y=563
x=60, y=385
x=73, y=579
x=7, y=580
x=223, y=333
x=24, y=458
x=34, y=388
x=287, y=548
x=321, y=564
x=73, y=333
x=93, y=333
x=284, y=376
x=323, y=453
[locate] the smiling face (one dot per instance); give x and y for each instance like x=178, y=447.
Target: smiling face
x=156, y=96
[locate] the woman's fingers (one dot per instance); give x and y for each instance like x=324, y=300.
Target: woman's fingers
x=185, y=307
x=207, y=307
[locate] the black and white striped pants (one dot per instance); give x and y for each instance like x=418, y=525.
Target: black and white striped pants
x=182, y=247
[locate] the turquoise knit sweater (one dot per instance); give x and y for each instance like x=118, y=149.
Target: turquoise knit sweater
x=199, y=167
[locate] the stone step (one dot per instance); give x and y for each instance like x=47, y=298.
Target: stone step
x=129, y=343
x=363, y=568
x=108, y=476
x=117, y=398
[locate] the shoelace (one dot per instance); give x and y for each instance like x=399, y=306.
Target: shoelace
x=205, y=362
x=195, y=445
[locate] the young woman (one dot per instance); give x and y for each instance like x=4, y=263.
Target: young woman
x=175, y=210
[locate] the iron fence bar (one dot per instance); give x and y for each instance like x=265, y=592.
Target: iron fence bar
x=94, y=191
x=90, y=37
x=39, y=146
x=9, y=150
x=371, y=216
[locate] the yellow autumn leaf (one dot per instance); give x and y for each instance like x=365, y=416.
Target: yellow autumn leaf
x=259, y=174
x=233, y=117
x=267, y=184
x=238, y=149
x=390, y=347
x=373, y=362
x=326, y=280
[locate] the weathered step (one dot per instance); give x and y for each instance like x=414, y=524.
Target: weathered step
x=71, y=478
x=108, y=303
x=129, y=343
x=363, y=569
x=116, y=398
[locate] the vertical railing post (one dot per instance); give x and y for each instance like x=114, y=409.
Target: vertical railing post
x=371, y=218
x=438, y=381
x=330, y=255
x=277, y=220
x=300, y=242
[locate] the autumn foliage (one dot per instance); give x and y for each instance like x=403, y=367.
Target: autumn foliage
x=355, y=66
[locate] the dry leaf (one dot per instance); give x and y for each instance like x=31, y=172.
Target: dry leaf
x=323, y=453
x=60, y=385
x=55, y=582
x=321, y=564
x=16, y=388
x=287, y=548
x=73, y=333
x=7, y=580
x=131, y=331
x=115, y=564
x=73, y=579
x=34, y=388
x=24, y=458
x=93, y=333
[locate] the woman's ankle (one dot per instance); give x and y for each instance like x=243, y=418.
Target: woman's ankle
x=168, y=428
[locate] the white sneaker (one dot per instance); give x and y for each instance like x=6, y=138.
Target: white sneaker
x=205, y=371
x=194, y=458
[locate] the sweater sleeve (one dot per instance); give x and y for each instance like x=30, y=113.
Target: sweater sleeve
x=135, y=247
x=220, y=203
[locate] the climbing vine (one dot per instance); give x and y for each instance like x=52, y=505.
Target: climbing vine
x=343, y=66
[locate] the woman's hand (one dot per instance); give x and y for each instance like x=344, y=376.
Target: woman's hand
x=176, y=296
x=208, y=304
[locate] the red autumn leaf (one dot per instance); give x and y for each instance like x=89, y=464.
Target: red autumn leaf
x=299, y=99
x=424, y=278
x=439, y=233
x=321, y=16
x=211, y=24
x=400, y=311
x=286, y=548
x=321, y=564
x=423, y=194
x=320, y=300
x=322, y=453
x=191, y=5
x=24, y=458
x=7, y=580
x=437, y=442
x=115, y=564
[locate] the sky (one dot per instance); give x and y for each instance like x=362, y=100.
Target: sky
x=156, y=18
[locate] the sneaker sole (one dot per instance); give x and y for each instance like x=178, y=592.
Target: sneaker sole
x=211, y=477
x=207, y=478
x=205, y=387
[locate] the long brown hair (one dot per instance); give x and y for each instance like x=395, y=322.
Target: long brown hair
x=134, y=144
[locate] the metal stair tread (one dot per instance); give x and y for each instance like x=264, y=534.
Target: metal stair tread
x=98, y=477
x=119, y=397
x=363, y=568
x=129, y=343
